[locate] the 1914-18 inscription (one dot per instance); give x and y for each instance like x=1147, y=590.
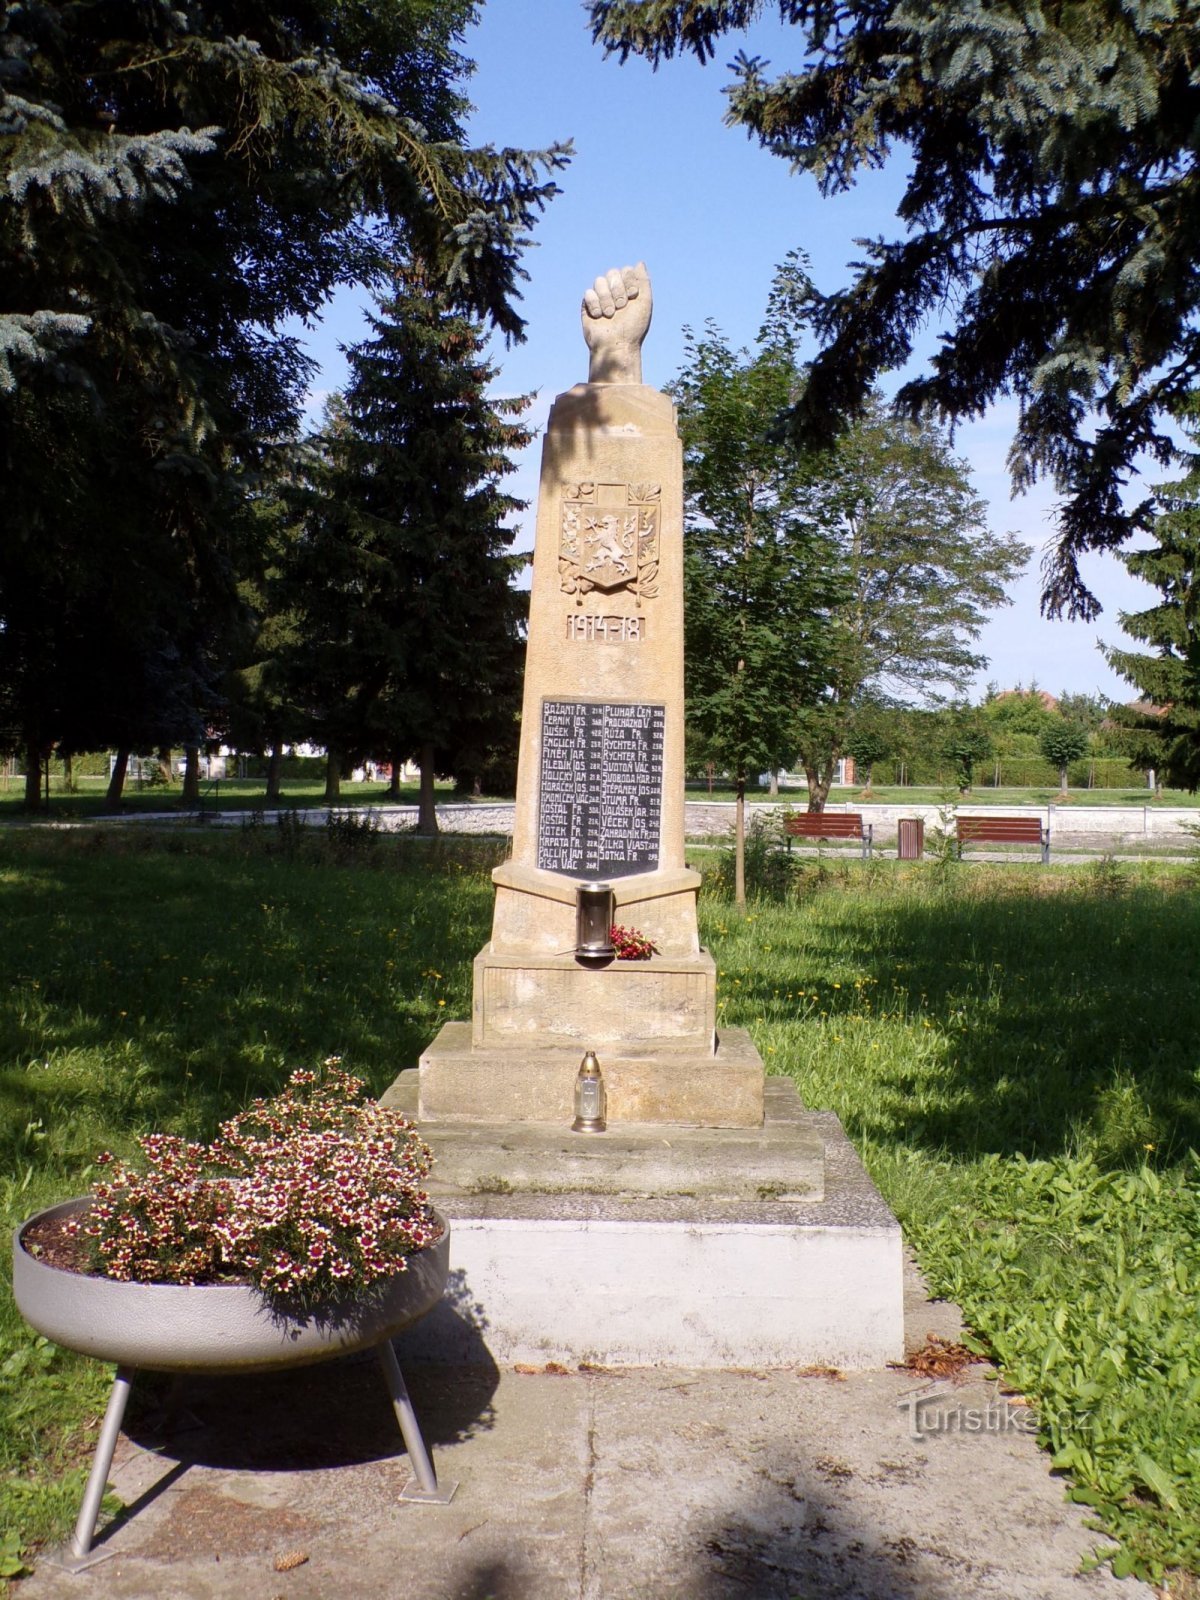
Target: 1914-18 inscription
x=601, y=791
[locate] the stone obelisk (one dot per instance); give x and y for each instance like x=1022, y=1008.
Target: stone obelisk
x=600, y=786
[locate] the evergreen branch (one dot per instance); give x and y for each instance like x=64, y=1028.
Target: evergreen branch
x=35, y=339
x=118, y=173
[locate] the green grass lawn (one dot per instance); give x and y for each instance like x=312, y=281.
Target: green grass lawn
x=220, y=794
x=1014, y=1055
x=927, y=795
x=234, y=794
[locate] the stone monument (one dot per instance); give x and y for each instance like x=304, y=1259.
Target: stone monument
x=714, y=1222
x=600, y=784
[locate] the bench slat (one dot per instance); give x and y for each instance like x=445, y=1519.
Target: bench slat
x=1004, y=830
x=816, y=824
x=829, y=825
x=1000, y=828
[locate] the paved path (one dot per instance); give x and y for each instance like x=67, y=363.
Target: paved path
x=646, y=1484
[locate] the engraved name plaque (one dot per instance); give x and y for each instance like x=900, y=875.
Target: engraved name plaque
x=600, y=802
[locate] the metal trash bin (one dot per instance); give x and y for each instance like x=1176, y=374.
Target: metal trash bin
x=912, y=838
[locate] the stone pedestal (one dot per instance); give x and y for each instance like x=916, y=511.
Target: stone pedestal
x=656, y=1244
x=714, y=1223
x=600, y=793
x=625, y=1008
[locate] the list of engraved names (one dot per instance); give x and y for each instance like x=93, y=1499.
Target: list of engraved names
x=600, y=803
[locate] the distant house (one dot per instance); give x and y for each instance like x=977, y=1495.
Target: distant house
x=843, y=777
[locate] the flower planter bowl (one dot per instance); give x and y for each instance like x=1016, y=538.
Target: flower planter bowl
x=212, y=1327
x=215, y=1328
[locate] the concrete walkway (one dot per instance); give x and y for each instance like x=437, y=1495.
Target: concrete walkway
x=636, y=1484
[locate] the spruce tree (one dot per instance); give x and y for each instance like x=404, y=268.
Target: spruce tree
x=176, y=182
x=1050, y=214
x=410, y=629
x=1163, y=733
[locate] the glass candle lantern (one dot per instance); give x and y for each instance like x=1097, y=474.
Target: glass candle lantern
x=590, y=1098
x=595, y=908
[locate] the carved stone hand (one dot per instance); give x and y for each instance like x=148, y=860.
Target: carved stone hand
x=616, y=314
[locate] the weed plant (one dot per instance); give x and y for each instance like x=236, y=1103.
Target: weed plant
x=771, y=872
x=1012, y=1051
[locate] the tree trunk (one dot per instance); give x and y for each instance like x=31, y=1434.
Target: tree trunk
x=739, y=844
x=818, y=786
x=33, y=774
x=333, y=777
x=773, y=785
x=191, y=775
x=275, y=772
x=68, y=762
x=427, y=821
x=164, y=761
x=393, y=788
x=116, y=780
x=1062, y=779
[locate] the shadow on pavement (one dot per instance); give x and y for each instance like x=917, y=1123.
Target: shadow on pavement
x=331, y=1415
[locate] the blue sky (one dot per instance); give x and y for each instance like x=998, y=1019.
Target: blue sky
x=657, y=176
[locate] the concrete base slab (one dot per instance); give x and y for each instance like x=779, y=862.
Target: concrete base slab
x=526, y=1084
x=595, y=1486
x=670, y=1277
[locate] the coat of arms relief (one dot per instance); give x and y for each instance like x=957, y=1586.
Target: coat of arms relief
x=610, y=539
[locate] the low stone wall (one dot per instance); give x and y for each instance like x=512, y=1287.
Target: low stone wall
x=714, y=819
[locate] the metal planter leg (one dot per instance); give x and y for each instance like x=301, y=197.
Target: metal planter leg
x=78, y=1554
x=425, y=1488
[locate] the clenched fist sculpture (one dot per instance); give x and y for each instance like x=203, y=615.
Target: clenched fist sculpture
x=616, y=314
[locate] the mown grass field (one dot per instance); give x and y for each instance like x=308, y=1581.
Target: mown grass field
x=86, y=799
x=1014, y=1053
x=980, y=795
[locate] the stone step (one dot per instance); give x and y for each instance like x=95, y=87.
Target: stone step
x=695, y=1280
x=460, y=1082
x=783, y=1159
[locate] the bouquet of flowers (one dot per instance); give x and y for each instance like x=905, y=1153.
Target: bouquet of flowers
x=631, y=945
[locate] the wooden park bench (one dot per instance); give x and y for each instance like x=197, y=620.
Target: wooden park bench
x=829, y=825
x=1004, y=830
